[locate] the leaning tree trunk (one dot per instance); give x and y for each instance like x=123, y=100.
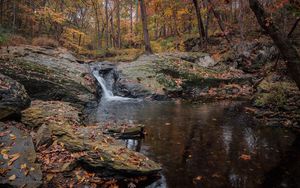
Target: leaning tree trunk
x=145, y=28
x=199, y=20
x=287, y=50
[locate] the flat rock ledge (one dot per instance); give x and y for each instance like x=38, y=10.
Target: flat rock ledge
x=18, y=167
x=58, y=131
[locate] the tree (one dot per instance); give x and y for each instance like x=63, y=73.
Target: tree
x=286, y=48
x=118, y=24
x=107, y=24
x=199, y=20
x=148, y=49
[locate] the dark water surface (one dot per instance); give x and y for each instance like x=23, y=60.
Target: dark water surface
x=209, y=145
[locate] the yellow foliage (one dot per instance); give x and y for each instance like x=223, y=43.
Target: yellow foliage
x=49, y=13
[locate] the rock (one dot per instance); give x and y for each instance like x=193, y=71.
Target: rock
x=49, y=73
x=125, y=131
x=13, y=97
x=21, y=167
x=206, y=61
x=138, y=78
x=59, y=113
x=168, y=74
x=43, y=136
x=102, y=153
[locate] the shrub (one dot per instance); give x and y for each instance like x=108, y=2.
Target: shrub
x=12, y=40
x=45, y=42
x=273, y=94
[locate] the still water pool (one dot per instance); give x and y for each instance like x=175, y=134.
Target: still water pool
x=208, y=145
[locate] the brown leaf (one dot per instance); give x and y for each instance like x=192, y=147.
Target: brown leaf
x=14, y=157
x=245, y=157
x=49, y=177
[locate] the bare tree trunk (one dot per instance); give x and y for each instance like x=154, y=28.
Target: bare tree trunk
x=112, y=34
x=199, y=20
x=145, y=28
x=107, y=24
x=131, y=16
x=14, y=17
x=1, y=11
x=287, y=50
x=207, y=20
x=137, y=17
x=118, y=24
x=99, y=41
x=241, y=19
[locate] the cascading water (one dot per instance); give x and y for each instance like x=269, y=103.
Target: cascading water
x=107, y=93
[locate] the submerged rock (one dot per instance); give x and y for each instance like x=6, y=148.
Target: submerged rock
x=125, y=131
x=18, y=158
x=48, y=73
x=100, y=153
x=13, y=97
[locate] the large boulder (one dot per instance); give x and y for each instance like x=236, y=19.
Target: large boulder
x=13, y=97
x=18, y=165
x=189, y=75
x=99, y=152
x=48, y=73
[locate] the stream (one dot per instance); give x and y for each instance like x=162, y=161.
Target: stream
x=206, y=145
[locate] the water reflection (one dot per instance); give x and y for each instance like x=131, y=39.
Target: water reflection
x=202, y=145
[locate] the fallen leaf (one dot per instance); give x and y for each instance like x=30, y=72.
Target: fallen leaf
x=12, y=178
x=5, y=156
x=3, y=171
x=26, y=172
x=12, y=136
x=23, y=166
x=245, y=157
x=4, y=133
x=49, y=177
x=13, y=159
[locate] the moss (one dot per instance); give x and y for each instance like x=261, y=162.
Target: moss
x=273, y=93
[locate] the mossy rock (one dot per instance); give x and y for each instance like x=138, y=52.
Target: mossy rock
x=49, y=74
x=13, y=97
x=102, y=153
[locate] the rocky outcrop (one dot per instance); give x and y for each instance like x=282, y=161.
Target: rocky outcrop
x=99, y=153
x=193, y=76
x=18, y=167
x=48, y=73
x=13, y=97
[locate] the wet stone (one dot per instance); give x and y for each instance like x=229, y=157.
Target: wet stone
x=18, y=158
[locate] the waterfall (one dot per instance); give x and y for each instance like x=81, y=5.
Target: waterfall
x=107, y=93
